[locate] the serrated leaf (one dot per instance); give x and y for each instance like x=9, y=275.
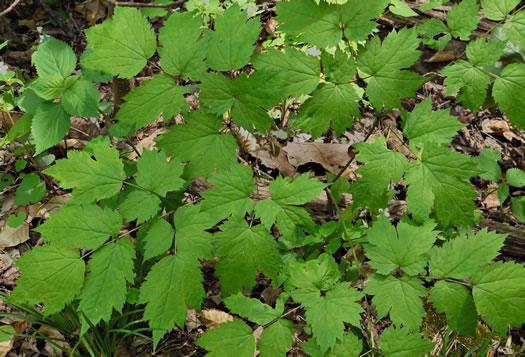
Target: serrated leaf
x=435, y=33
x=231, y=338
x=182, y=53
x=121, y=45
x=442, y=177
x=515, y=29
x=29, y=101
x=462, y=19
x=298, y=191
x=380, y=66
x=503, y=193
x=231, y=195
x=506, y=91
x=49, y=87
x=253, y=309
x=156, y=12
x=81, y=99
x=158, y=239
x=195, y=140
x=462, y=257
x=54, y=57
x=192, y=239
x=402, y=9
x=96, y=225
x=488, y=164
x=31, y=190
x=396, y=342
x=497, y=10
x=171, y=284
x=349, y=346
x=91, y=179
x=399, y=297
x=338, y=68
x=242, y=250
x=499, y=295
x=105, y=288
x=406, y=249
x=139, y=205
x=456, y=302
x=515, y=177
x=50, y=124
x=484, y=54
x=158, y=176
x=276, y=339
x=145, y=103
x=422, y=125
x=53, y=274
x=518, y=207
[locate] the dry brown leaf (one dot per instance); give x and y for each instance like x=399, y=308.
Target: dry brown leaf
x=279, y=162
x=192, y=320
x=10, y=237
x=333, y=157
x=42, y=210
x=147, y=143
x=93, y=10
x=5, y=347
x=441, y=56
x=214, y=318
x=57, y=337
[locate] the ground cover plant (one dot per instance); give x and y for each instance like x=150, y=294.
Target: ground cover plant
x=137, y=244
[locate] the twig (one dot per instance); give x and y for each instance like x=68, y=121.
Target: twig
x=11, y=7
x=177, y=3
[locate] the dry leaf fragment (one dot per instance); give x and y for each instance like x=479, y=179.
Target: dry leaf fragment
x=214, y=318
x=332, y=157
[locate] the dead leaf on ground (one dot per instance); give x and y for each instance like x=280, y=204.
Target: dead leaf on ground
x=92, y=10
x=57, y=337
x=279, y=161
x=214, y=318
x=499, y=127
x=10, y=237
x=147, y=143
x=333, y=157
x=42, y=210
x=441, y=56
x=192, y=320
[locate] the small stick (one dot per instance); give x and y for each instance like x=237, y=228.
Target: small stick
x=11, y=7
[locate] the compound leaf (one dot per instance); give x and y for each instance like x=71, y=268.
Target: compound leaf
x=484, y=54
x=54, y=57
x=276, y=339
x=462, y=19
x=396, y=342
x=158, y=239
x=515, y=29
x=192, y=238
x=231, y=338
x=140, y=205
x=157, y=175
x=81, y=99
x=498, y=10
x=488, y=164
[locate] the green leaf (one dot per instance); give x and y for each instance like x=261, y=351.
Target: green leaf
x=81, y=99
x=463, y=19
x=50, y=87
x=503, y=193
x=488, y=164
x=421, y=125
x=50, y=124
x=498, y=10
x=54, y=57
x=499, y=295
x=31, y=190
x=231, y=338
x=121, y=45
x=338, y=68
x=396, y=342
x=92, y=180
x=231, y=45
x=64, y=227
x=298, y=72
x=276, y=339
x=485, y=54
x=21, y=127
x=507, y=93
x=171, y=284
x=380, y=66
x=16, y=220
x=518, y=207
x=7, y=332
x=515, y=29
x=456, y=302
x=196, y=140
x=441, y=178
x=192, y=239
x=463, y=256
x=349, y=346
x=158, y=239
x=105, y=288
x=298, y=191
x=231, y=195
x=253, y=309
x=430, y=30
x=399, y=297
x=182, y=53
x=53, y=274
x=145, y=103
x=157, y=175
x=400, y=8
x=242, y=250
x=406, y=249
x=516, y=177
x=153, y=12
x=29, y=101
x=140, y=205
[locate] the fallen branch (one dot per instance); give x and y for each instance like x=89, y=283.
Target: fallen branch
x=11, y=7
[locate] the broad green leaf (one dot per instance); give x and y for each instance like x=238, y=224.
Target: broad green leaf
x=233, y=338
x=503, y=192
x=85, y=226
x=50, y=124
x=7, y=332
x=105, y=288
x=349, y=346
x=93, y=76
x=288, y=218
x=380, y=65
x=53, y=274
x=488, y=164
x=253, y=309
x=332, y=105
x=406, y=249
x=338, y=68
x=441, y=178
x=298, y=191
x=400, y=8
x=484, y=54
x=297, y=71
x=31, y=190
x=507, y=92
x=396, y=342
x=196, y=140
x=15, y=221
x=54, y=57
x=462, y=19
x=497, y=10
x=516, y=177
x=435, y=33
x=156, y=12
x=29, y=101
x=171, y=284
x=276, y=339
x=462, y=257
x=242, y=250
x=232, y=43
x=518, y=207
x=357, y=16
x=92, y=180
x=158, y=239
x=81, y=99
x=515, y=29
x=157, y=175
x=50, y=87
x=422, y=125
x=140, y=205
x=121, y=45
x=399, y=297
x=182, y=53
x=456, y=302
x=231, y=195
x=145, y=103
x=499, y=295
x=192, y=239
